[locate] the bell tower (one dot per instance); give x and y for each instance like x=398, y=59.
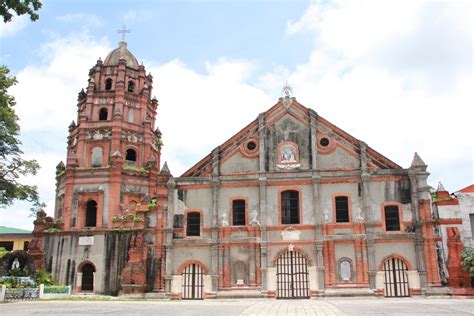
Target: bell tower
x=113, y=152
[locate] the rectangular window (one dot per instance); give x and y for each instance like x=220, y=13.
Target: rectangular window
x=181, y=195
x=471, y=218
x=392, y=218
x=25, y=245
x=178, y=220
x=290, y=209
x=8, y=245
x=193, y=225
x=238, y=212
x=342, y=209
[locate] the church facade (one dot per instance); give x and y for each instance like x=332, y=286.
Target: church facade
x=289, y=207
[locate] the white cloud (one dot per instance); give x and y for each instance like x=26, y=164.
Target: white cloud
x=46, y=93
x=397, y=75
x=15, y=25
x=198, y=112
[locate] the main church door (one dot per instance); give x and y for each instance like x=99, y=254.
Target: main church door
x=395, y=277
x=192, y=282
x=292, y=275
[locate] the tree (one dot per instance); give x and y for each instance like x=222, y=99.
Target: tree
x=12, y=165
x=468, y=262
x=20, y=7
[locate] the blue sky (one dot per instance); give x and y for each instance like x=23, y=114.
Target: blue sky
x=396, y=74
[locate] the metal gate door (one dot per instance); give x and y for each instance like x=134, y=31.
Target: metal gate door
x=396, y=279
x=192, y=282
x=292, y=275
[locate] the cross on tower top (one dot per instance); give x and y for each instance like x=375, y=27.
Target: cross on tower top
x=123, y=31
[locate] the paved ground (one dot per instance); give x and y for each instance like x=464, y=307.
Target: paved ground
x=353, y=306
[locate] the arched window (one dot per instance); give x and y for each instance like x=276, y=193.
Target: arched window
x=131, y=157
x=392, y=218
x=108, y=84
x=238, y=212
x=342, y=209
x=290, y=207
x=91, y=213
x=96, y=159
x=193, y=224
x=103, y=114
x=131, y=86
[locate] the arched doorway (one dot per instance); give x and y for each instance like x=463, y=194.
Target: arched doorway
x=292, y=275
x=193, y=284
x=87, y=283
x=395, y=278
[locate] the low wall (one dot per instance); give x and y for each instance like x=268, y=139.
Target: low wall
x=45, y=292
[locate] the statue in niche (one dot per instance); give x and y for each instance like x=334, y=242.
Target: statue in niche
x=74, y=141
x=360, y=217
x=254, y=220
x=16, y=264
x=224, y=220
x=288, y=154
x=327, y=220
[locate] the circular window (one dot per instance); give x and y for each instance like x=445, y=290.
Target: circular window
x=251, y=145
x=324, y=142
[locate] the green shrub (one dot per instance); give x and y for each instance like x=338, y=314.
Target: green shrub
x=467, y=256
x=17, y=272
x=3, y=252
x=56, y=289
x=43, y=277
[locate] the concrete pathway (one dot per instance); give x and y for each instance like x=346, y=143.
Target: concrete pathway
x=228, y=307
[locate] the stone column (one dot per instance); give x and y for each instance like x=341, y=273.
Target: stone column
x=215, y=184
x=365, y=193
x=418, y=175
x=316, y=189
x=262, y=181
x=168, y=231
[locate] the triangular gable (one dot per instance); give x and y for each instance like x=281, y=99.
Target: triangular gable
x=468, y=189
x=301, y=113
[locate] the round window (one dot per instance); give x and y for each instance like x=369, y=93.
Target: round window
x=251, y=145
x=324, y=142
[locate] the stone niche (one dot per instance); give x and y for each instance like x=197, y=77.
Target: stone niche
x=345, y=273
x=239, y=275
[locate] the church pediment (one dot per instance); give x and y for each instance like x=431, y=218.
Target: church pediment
x=287, y=145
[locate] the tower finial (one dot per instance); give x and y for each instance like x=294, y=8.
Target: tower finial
x=124, y=31
x=287, y=90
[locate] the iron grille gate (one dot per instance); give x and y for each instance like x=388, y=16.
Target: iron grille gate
x=396, y=279
x=292, y=276
x=192, y=282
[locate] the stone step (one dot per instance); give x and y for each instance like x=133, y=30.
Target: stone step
x=239, y=294
x=157, y=296
x=345, y=292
